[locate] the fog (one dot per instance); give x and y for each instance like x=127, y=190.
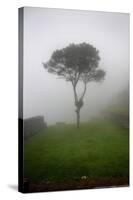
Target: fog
x=46, y=30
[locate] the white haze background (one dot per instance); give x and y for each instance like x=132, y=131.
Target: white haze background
x=46, y=30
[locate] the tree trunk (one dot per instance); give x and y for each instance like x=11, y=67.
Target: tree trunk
x=78, y=118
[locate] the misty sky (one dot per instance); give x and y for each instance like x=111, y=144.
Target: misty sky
x=46, y=30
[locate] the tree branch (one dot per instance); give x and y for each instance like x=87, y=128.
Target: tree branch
x=82, y=96
x=75, y=93
x=77, y=78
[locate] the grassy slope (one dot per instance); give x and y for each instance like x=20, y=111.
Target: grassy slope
x=97, y=149
x=121, y=110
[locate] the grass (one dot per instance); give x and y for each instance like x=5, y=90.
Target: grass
x=62, y=153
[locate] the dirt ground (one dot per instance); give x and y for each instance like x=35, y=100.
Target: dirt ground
x=79, y=184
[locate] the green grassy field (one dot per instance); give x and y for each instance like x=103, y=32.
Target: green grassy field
x=62, y=153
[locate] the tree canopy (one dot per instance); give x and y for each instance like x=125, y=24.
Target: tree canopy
x=76, y=62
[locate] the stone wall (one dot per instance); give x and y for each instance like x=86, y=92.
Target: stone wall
x=33, y=125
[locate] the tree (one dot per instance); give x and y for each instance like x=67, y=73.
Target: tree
x=76, y=62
